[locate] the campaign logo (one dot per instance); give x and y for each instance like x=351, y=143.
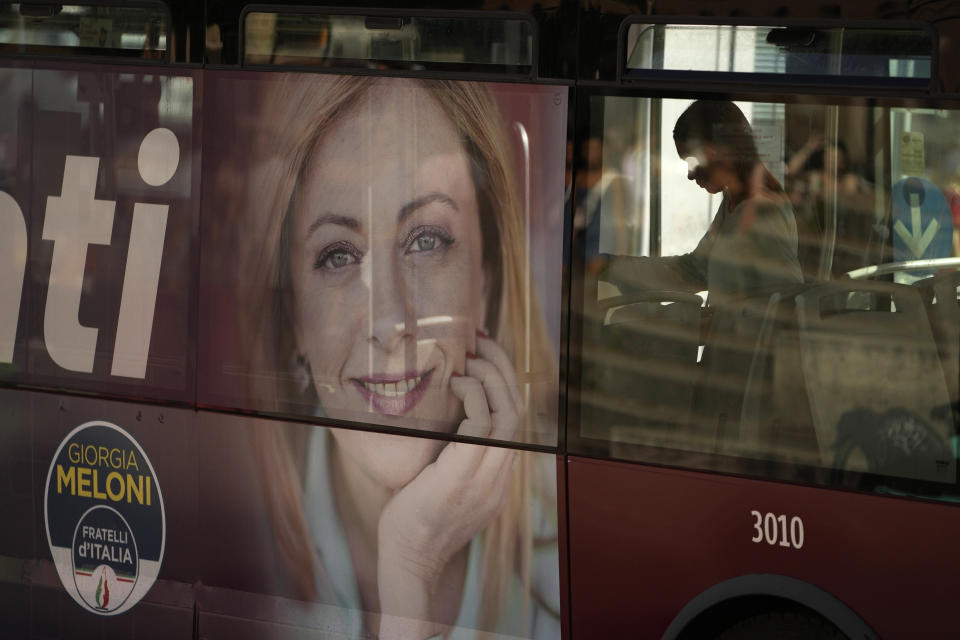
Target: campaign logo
x=105, y=520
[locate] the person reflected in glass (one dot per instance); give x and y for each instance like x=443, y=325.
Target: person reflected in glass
x=602, y=199
x=750, y=246
x=817, y=173
x=385, y=274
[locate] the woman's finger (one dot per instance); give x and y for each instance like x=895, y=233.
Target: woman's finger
x=469, y=427
x=471, y=393
x=496, y=465
x=490, y=350
x=500, y=400
x=505, y=415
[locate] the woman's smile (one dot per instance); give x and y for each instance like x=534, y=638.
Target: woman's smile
x=393, y=395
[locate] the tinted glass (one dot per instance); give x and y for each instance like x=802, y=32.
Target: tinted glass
x=376, y=41
x=129, y=31
x=801, y=54
x=720, y=325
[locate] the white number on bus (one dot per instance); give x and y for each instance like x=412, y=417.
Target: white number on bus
x=774, y=530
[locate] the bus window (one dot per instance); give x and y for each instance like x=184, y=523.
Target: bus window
x=119, y=31
x=771, y=281
x=797, y=54
x=486, y=42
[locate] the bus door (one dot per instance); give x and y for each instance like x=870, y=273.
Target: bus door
x=766, y=266
x=381, y=294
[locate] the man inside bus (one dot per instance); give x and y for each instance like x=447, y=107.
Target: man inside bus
x=750, y=247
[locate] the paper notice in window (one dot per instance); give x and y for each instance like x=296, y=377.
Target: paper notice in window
x=96, y=32
x=769, y=140
x=911, y=153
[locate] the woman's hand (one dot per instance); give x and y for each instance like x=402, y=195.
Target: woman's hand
x=433, y=518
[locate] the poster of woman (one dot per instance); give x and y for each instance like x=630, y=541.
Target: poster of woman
x=385, y=253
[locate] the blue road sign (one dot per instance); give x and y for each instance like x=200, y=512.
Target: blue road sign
x=922, y=224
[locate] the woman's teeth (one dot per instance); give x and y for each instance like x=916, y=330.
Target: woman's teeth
x=393, y=389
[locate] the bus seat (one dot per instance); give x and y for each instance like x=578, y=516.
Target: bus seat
x=731, y=347
x=775, y=420
x=868, y=345
x=751, y=388
x=651, y=339
x=942, y=297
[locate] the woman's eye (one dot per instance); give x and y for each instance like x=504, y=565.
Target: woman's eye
x=339, y=259
x=428, y=240
x=335, y=258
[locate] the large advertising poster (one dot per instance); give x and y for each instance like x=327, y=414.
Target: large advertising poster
x=99, y=195
x=383, y=251
x=371, y=252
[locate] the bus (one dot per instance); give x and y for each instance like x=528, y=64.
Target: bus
x=496, y=320
x=760, y=442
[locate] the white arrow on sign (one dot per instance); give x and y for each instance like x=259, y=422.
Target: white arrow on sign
x=915, y=239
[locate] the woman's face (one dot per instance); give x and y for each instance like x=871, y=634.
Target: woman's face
x=705, y=164
x=386, y=262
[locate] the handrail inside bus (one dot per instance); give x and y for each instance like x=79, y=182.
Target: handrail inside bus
x=875, y=270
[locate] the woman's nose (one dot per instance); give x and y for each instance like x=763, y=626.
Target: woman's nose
x=391, y=319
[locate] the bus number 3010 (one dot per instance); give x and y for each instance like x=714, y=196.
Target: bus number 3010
x=773, y=529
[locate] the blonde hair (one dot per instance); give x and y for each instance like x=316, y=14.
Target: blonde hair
x=298, y=114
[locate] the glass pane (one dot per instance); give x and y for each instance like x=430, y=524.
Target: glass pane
x=793, y=53
x=84, y=29
x=721, y=324
x=387, y=42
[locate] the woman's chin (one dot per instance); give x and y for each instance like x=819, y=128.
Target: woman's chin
x=391, y=461
x=433, y=409
x=422, y=418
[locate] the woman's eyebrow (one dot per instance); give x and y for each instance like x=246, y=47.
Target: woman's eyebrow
x=333, y=218
x=422, y=201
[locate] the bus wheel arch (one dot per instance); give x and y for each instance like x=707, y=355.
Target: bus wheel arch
x=760, y=599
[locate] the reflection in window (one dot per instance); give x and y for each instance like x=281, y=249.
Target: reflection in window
x=795, y=53
x=84, y=29
x=343, y=40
